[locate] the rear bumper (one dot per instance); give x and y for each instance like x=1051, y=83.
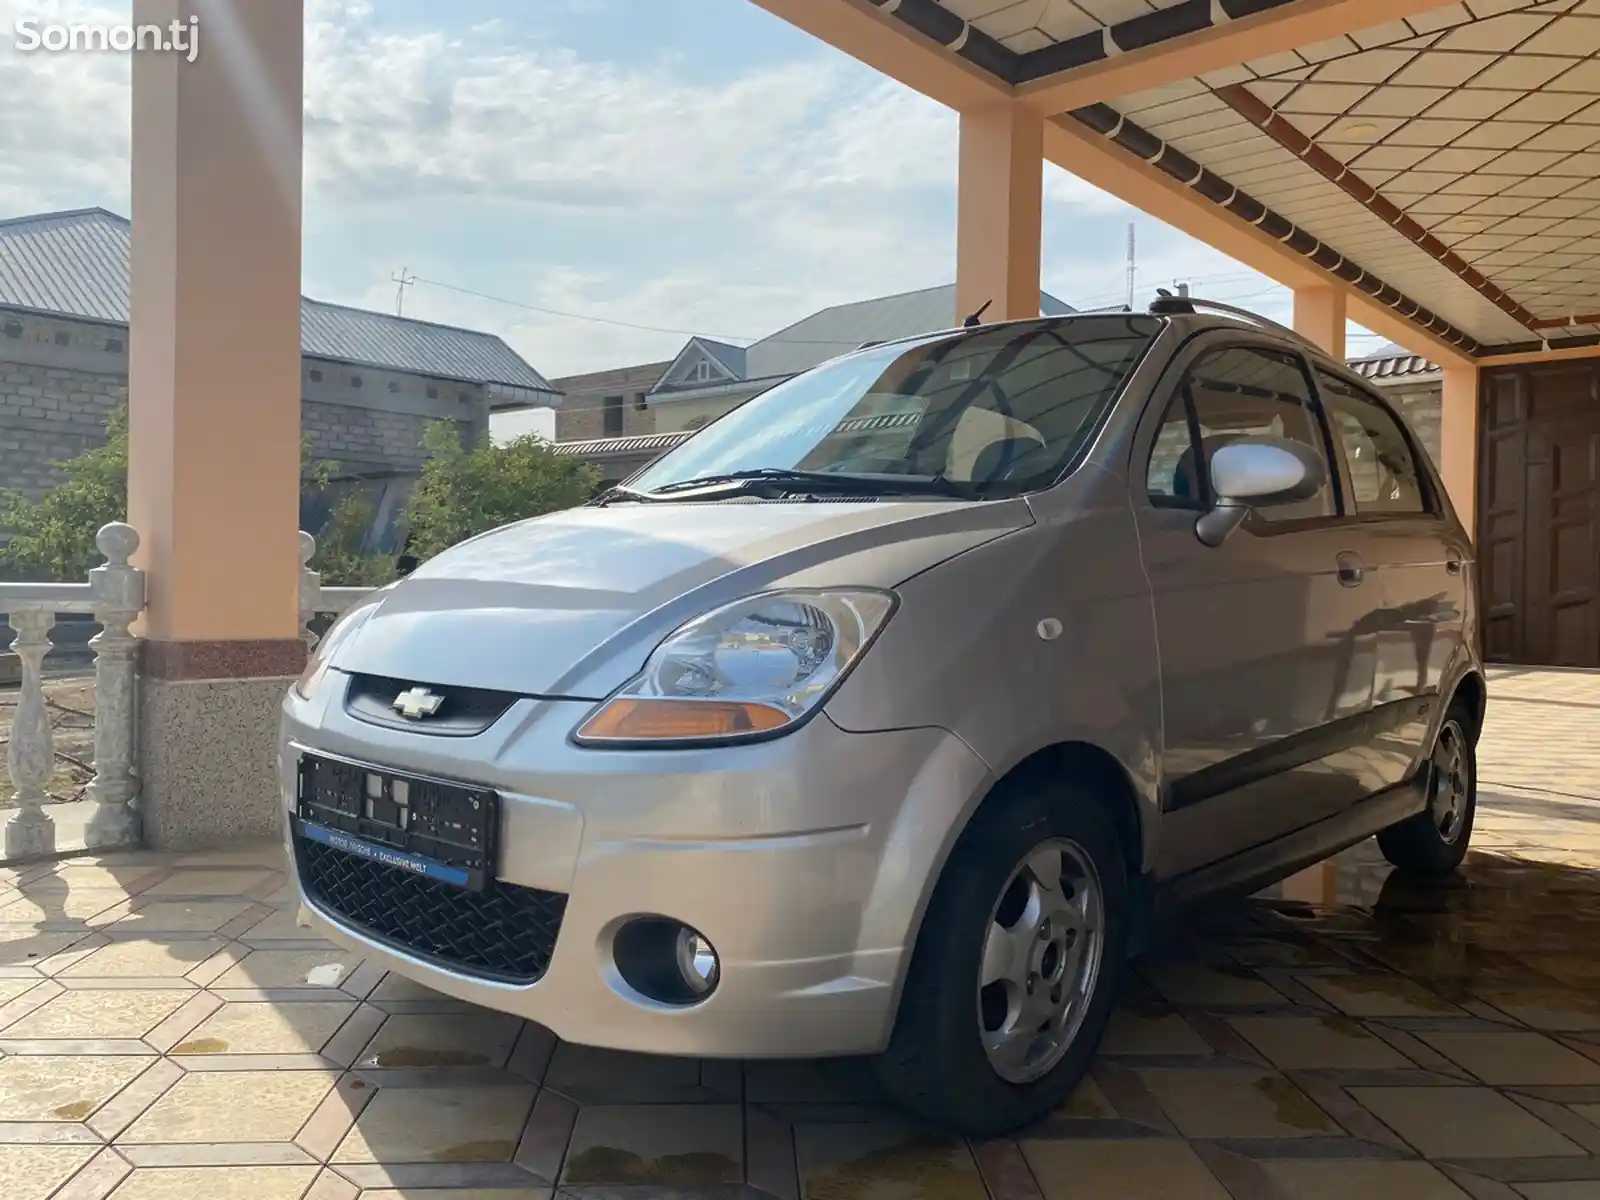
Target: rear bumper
x=805, y=861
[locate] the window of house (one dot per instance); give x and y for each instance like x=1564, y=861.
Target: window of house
x=702, y=372
x=433, y=392
x=355, y=381
x=1384, y=476
x=114, y=346
x=1226, y=395
x=640, y=403
x=613, y=415
x=316, y=375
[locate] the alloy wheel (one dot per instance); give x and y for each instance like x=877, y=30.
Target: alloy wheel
x=1042, y=957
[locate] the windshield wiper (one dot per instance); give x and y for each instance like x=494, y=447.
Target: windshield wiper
x=738, y=482
x=619, y=492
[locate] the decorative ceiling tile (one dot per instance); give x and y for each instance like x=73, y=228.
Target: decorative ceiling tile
x=1370, y=66
x=1500, y=135
x=1446, y=70
x=1330, y=98
x=1588, y=188
x=1424, y=181
x=1429, y=131
x=1473, y=104
x=1359, y=131
x=1498, y=35
x=1013, y=19
x=1276, y=64
x=1491, y=8
x=1027, y=41
x=1575, y=37
x=1523, y=162
x=1582, y=77
x=1523, y=225
x=1546, y=106
x=1459, y=160
x=1439, y=18
x=1270, y=91
x=1580, y=166
x=1567, y=138
x=1227, y=76
x=1438, y=203
x=1320, y=52
x=1389, y=157
x=1539, y=186
x=1480, y=185
x=1393, y=101
x=1575, y=227
x=1107, y=12
x=1502, y=206
x=971, y=10
x=1064, y=19
x=1382, y=35
x=1522, y=72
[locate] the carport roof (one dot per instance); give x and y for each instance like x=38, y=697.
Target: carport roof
x=1441, y=159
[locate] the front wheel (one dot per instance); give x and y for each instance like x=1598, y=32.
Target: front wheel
x=1434, y=842
x=1015, y=969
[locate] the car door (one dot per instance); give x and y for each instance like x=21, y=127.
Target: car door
x=1422, y=564
x=1266, y=641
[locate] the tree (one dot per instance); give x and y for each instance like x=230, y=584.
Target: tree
x=466, y=492
x=54, y=537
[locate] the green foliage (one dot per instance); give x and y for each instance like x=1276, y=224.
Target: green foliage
x=53, y=539
x=466, y=492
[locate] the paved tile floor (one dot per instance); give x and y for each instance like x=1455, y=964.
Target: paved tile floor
x=167, y=1031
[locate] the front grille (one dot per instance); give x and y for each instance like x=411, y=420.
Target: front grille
x=505, y=933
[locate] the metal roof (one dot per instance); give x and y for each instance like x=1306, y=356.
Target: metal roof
x=1392, y=363
x=75, y=264
x=842, y=328
x=731, y=357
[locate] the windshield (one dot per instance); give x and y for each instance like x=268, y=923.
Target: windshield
x=1003, y=409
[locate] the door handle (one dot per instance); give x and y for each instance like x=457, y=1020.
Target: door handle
x=1351, y=569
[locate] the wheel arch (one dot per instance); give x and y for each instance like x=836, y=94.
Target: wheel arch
x=1473, y=689
x=1082, y=762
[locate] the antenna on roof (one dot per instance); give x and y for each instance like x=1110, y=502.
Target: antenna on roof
x=977, y=317
x=405, y=281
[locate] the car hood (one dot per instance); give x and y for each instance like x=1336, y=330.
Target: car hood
x=571, y=604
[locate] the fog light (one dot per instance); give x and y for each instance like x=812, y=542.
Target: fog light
x=697, y=961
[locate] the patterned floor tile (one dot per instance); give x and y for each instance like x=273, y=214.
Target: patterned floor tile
x=216, y=1183
x=1237, y=1104
x=1318, y=1044
x=681, y=1146
x=439, y=1125
x=1157, y=1169
x=63, y=1087
x=1463, y=1122
x=837, y=1162
x=1368, y=1180
x=35, y=1172
x=233, y=1106
x=260, y=1028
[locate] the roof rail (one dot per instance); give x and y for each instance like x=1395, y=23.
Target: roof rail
x=1165, y=302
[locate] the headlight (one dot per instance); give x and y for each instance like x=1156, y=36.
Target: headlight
x=311, y=678
x=744, y=670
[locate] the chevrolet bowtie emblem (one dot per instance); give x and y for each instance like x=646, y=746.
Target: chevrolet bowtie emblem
x=418, y=702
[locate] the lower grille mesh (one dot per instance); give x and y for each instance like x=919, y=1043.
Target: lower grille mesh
x=506, y=932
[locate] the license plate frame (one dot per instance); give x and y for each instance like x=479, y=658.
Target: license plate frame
x=439, y=829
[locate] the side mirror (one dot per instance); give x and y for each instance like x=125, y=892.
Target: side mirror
x=1248, y=474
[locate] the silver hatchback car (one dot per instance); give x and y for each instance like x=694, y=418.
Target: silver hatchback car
x=891, y=712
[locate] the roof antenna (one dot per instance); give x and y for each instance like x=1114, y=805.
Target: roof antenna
x=977, y=317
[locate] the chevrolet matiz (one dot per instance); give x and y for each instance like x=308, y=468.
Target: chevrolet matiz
x=888, y=714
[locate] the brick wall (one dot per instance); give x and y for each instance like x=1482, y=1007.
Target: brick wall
x=581, y=414
x=60, y=379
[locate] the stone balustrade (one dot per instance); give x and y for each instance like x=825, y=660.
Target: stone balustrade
x=114, y=596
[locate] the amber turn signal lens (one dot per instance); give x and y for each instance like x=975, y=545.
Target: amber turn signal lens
x=630, y=719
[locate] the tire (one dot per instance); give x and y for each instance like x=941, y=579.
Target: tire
x=937, y=1064
x=1433, y=843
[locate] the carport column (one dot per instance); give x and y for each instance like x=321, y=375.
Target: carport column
x=1319, y=316
x=1458, y=443
x=999, y=212
x=214, y=410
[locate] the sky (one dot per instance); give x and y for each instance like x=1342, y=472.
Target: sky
x=651, y=168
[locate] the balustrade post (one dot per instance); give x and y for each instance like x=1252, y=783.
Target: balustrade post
x=30, y=758
x=310, y=590
x=118, y=593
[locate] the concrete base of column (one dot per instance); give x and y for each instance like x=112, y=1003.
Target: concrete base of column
x=208, y=746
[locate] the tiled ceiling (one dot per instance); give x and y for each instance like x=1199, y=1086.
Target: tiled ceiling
x=1478, y=121
x=1024, y=26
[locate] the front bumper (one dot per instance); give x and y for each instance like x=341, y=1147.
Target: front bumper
x=806, y=862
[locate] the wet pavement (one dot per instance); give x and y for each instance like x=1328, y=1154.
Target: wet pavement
x=167, y=1031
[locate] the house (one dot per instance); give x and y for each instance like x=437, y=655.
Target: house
x=618, y=422
x=370, y=382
